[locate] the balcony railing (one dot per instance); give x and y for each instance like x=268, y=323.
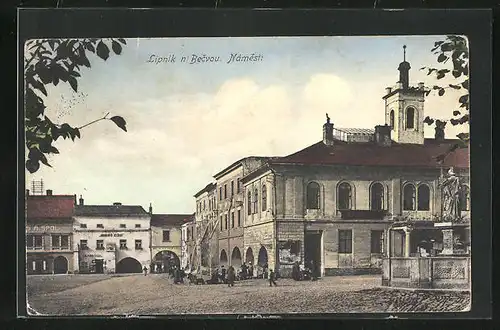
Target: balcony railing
x=362, y=214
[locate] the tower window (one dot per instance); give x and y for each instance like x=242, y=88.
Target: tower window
x=410, y=118
x=409, y=197
x=391, y=119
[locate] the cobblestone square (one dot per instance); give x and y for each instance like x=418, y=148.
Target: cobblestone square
x=157, y=295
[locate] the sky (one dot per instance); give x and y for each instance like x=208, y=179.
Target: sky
x=186, y=122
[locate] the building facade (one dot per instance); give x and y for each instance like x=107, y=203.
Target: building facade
x=207, y=242
x=188, y=244
x=49, y=239
x=166, y=240
x=112, y=238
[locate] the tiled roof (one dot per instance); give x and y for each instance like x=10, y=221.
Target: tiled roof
x=120, y=210
x=372, y=154
x=54, y=206
x=170, y=219
x=357, y=130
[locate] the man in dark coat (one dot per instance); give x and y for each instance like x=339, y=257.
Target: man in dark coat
x=272, y=278
x=231, y=275
x=223, y=274
x=296, y=271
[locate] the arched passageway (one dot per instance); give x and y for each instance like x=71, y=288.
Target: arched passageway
x=128, y=265
x=262, y=259
x=249, y=256
x=60, y=265
x=236, y=257
x=165, y=260
x=223, y=258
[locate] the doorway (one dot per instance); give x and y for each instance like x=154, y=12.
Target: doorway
x=99, y=266
x=60, y=265
x=312, y=250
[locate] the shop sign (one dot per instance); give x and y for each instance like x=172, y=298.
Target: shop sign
x=41, y=228
x=92, y=255
x=111, y=235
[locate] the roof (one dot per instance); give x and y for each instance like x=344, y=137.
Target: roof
x=372, y=154
x=238, y=163
x=208, y=187
x=370, y=131
x=170, y=219
x=52, y=206
x=110, y=210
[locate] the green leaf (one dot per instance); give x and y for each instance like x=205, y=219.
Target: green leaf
x=74, y=84
x=102, y=50
x=442, y=58
x=120, y=122
x=117, y=48
x=40, y=86
x=74, y=74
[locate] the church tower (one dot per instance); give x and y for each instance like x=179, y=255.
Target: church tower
x=404, y=107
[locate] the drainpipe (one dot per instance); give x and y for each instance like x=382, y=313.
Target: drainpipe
x=274, y=213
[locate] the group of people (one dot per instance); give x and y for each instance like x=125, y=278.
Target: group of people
x=305, y=273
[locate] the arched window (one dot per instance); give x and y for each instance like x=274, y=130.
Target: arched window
x=423, y=197
x=391, y=119
x=313, y=196
x=464, y=198
x=410, y=117
x=377, y=196
x=249, y=203
x=264, y=198
x=344, y=196
x=409, y=197
x=256, y=201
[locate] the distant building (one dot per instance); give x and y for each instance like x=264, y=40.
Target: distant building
x=188, y=243
x=207, y=243
x=112, y=238
x=166, y=243
x=49, y=239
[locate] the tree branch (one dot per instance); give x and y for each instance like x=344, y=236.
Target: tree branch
x=94, y=121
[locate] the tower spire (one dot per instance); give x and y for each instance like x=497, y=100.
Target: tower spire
x=404, y=53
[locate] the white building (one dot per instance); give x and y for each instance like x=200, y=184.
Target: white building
x=112, y=238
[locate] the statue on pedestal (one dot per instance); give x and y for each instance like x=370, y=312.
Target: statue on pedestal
x=450, y=186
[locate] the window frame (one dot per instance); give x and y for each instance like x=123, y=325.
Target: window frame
x=140, y=244
x=349, y=196
x=412, y=121
x=165, y=231
x=97, y=244
x=377, y=241
x=413, y=197
x=382, y=196
x=123, y=246
x=263, y=198
x=343, y=245
x=309, y=197
x=422, y=185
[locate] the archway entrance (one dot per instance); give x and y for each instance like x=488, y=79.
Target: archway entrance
x=165, y=260
x=236, y=257
x=128, y=265
x=249, y=256
x=60, y=265
x=262, y=259
x=223, y=257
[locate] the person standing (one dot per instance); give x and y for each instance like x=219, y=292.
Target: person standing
x=230, y=276
x=272, y=278
x=145, y=270
x=296, y=271
x=223, y=274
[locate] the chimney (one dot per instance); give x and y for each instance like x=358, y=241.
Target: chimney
x=117, y=203
x=421, y=85
x=27, y=192
x=49, y=192
x=81, y=200
x=439, y=130
x=76, y=203
x=328, y=132
x=150, y=208
x=388, y=90
x=383, y=135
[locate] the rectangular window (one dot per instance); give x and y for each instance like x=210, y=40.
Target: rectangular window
x=138, y=244
x=83, y=244
x=166, y=236
x=83, y=225
x=232, y=219
x=137, y=225
x=345, y=241
x=100, y=225
x=238, y=186
x=225, y=221
x=99, y=244
x=239, y=218
x=64, y=241
x=30, y=240
x=123, y=244
x=56, y=242
x=221, y=222
x=232, y=188
x=225, y=191
x=122, y=225
x=38, y=242
x=377, y=241
x=220, y=193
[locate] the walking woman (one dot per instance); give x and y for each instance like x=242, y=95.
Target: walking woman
x=231, y=275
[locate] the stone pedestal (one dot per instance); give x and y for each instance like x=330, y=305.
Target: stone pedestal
x=448, y=240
